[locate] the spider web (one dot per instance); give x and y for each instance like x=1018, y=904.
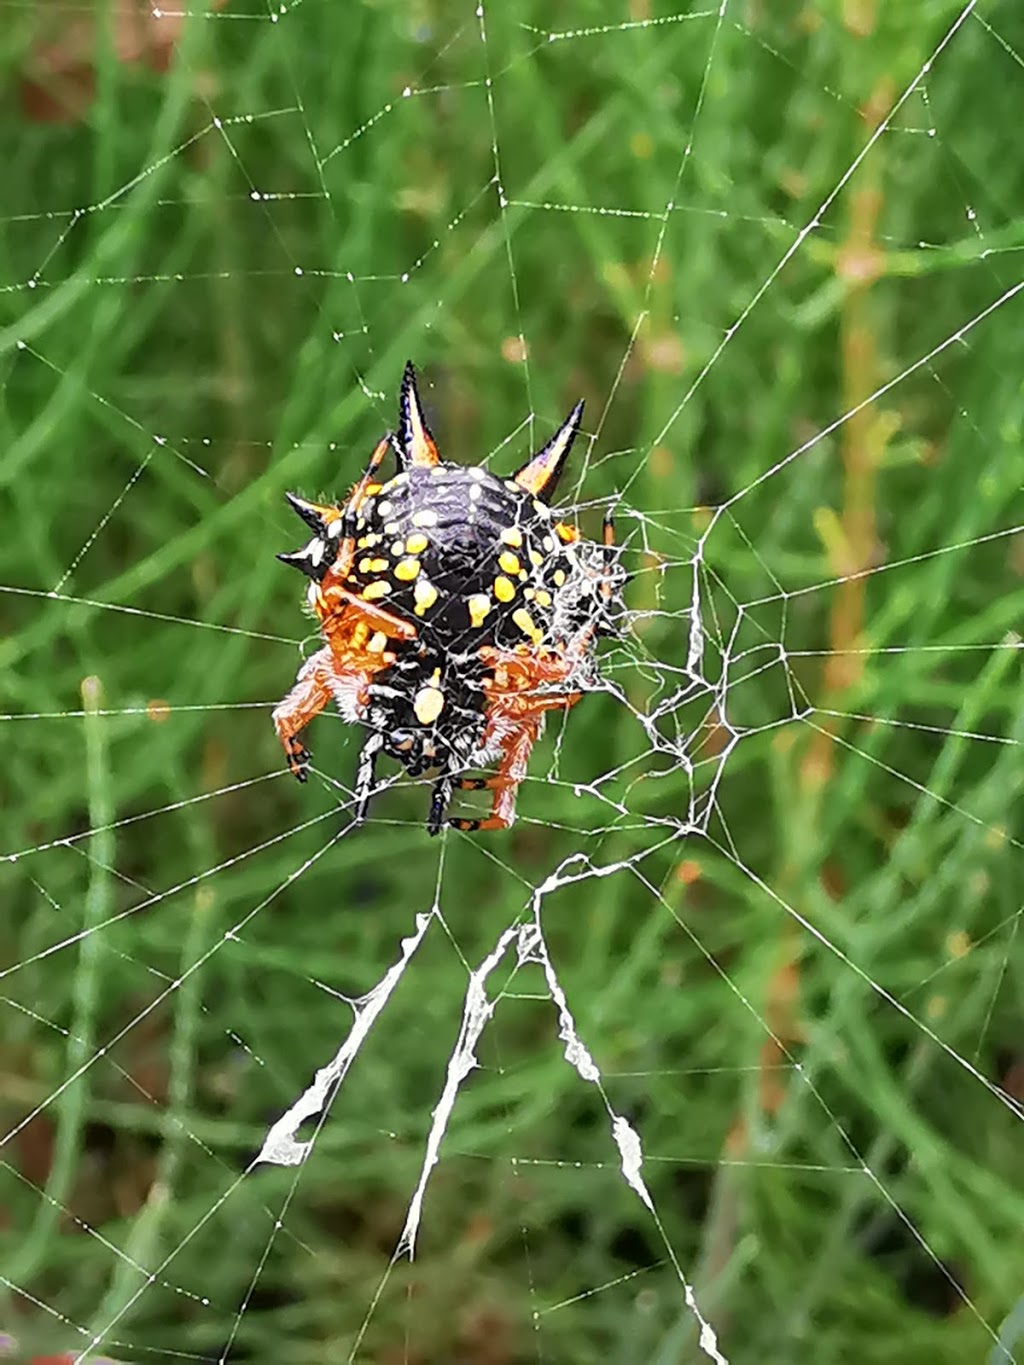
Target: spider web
x=716, y=1054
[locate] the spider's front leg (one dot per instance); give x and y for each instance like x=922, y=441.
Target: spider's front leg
x=322, y=678
x=309, y=696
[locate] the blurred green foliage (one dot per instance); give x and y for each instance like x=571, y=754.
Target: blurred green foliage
x=210, y=277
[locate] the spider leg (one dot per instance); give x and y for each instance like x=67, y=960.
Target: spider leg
x=439, y=798
x=516, y=677
x=309, y=696
x=516, y=714
x=334, y=595
x=603, y=624
x=361, y=490
x=365, y=774
x=324, y=677
x=323, y=520
x=599, y=624
x=377, y=618
x=505, y=783
x=340, y=523
x=608, y=560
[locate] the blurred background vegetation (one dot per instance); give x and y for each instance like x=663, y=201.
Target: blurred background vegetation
x=221, y=235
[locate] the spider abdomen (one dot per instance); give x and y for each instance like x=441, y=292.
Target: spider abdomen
x=468, y=557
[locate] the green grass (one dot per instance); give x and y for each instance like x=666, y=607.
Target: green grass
x=808, y=1014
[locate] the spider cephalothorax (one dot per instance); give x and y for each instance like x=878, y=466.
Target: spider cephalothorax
x=456, y=610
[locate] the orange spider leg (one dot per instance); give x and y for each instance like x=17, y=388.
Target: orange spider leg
x=309, y=696
x=516, y=713
x=608, y=542
x=505, y=783
x=336, y=604
x=516, y=709
x=346, y=666
x=580, y=643
x=333, y=598
x=517, y=675
x=323, y=676
x=361, y=490
x=329, y=523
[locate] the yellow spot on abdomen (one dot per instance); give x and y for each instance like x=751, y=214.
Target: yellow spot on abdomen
x=407, y=569
x=509, y=562
x=479, y=605
x=522, y=618
x=504, y=590
x=372, y=565
x=427, y=705
x=374, y=591
x=425, y=595
x=416, y=543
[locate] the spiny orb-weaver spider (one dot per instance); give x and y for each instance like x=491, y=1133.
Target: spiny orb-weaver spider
x=457, y=611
